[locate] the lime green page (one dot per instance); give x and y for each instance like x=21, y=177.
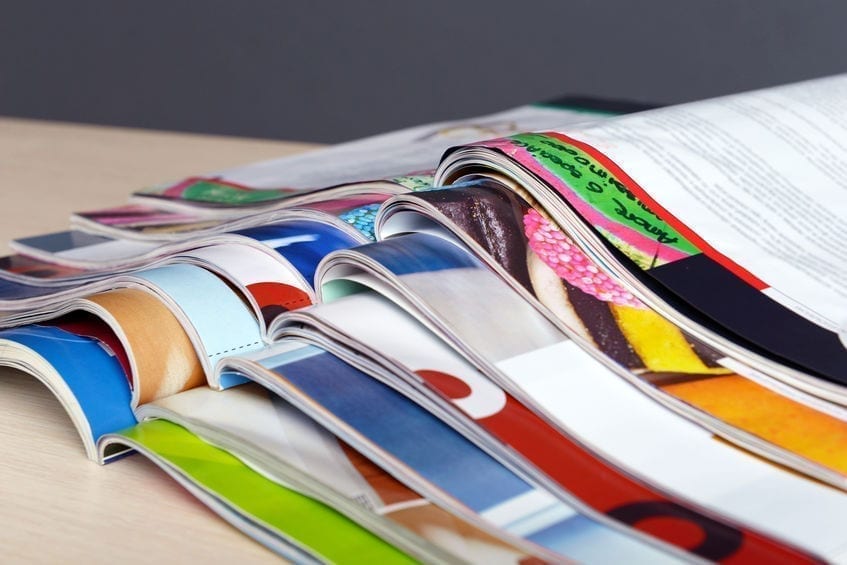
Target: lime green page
x=328, y=534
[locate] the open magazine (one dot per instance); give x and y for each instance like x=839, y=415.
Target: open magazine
x=538, y=350
x=706, y=206
x=381, y=165
x=533, y=364
x=653, y=353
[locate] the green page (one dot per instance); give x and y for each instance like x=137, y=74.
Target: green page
x=296, y=517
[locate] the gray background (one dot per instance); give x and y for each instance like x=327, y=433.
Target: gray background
x=329, y=71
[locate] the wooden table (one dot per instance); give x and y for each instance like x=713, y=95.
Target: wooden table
x=55, y=505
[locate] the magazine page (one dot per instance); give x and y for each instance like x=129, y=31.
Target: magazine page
x=303, y=242
x=84, y=375
x=17, y=296
x=417, y=358
x=677, y=195
x=546, y=267
x=357, y=211
x=287, y=522
x=21, y=301
x=454, y=291
x=152, y=224
x=342, y=213
x=298, y=238
x=714, y=316
x=267, y=280
x=78, y=249
x=144, y=223
x=733, y=158
x=88, y=324
x=244, y=263
x=45, y=271
x=281, y=443
x=128, y=218
x=273, y=265
x=215, y=318
x=204, y=197
x=21, y=268
x=162, y=358
x=442, y=465
x=484, y=215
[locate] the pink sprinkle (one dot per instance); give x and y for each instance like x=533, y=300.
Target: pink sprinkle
x=562, y=255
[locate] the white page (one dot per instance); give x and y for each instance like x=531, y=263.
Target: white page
x=761, y=176
x=627, y=426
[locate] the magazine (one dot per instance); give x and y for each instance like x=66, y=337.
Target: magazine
x=285, y=256
x=432, y=373
x=281, y=443
x=444, y=466
x=702, y=207
x=65, y=363
x=81, y=250
x=542, y=360
x=163, y=227
x=287, y=522
x=488, y=219
x=453, y=290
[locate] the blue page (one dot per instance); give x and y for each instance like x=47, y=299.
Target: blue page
x=303, y=242
x=93, y=375
x=449, y=461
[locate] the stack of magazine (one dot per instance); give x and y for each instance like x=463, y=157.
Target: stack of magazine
x=549, y=334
